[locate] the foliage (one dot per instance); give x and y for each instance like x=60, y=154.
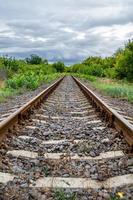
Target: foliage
x=119, y=66
x=34, y=59
x=86, y=77
x=7, y=92
x=22, y=76
x=114, y=88
x=28, y=80
x=124, y=63
x=21, y=83
x=10, y=63
x=59, y=66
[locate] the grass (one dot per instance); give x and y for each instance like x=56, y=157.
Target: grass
x=114, y=88
x=5, y=93
x=86, y=77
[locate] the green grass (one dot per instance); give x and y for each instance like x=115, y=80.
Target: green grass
x=86, y=77
x=114, y=88
x=5, y=93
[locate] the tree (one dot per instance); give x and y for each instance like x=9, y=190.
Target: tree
x=45, y=61
x=34, y=59
x=59, y=66
x=124, y=63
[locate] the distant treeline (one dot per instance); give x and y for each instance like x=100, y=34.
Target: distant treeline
x=119, y=66
x=12, y=64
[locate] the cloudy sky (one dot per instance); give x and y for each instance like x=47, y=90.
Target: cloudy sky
x=67, y=30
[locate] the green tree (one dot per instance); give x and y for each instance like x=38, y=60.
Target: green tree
x=34, y=59
x=124, y=62
x=59, y=66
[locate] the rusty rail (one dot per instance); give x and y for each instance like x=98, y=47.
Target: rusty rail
x=114, y=119
x=23, y=112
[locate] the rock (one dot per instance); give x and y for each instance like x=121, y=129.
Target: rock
x=130, y=169
x=43, y=197
x=105, y=140
x=92, y=154
x=94, y=177
x=87, y=174
x=24, y=185
x=93, y=170
x=130, y=162
x=104, y=194
x=17, y=169
x=66, y=175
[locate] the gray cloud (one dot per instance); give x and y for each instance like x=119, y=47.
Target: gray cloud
x=69, y=30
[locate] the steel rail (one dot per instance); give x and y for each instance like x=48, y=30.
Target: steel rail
x=7, y=125
x=114, y=119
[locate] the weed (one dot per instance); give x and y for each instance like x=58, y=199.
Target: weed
x=46, y=170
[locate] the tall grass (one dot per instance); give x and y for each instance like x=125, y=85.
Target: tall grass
x=6, y=92
x=86, y=77
x=114, y=88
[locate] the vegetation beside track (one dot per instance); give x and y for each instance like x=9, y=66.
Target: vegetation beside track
x=113, y=75
x=111, y=87
x=18, y=76
x=118, y=66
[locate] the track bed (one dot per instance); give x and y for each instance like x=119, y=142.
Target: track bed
x=65, y=148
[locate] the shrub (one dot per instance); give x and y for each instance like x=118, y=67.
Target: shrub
x=28, y=81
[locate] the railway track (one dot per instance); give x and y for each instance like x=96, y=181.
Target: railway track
x=65, y=149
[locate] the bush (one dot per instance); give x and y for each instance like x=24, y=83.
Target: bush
x=119, y=66
x=94, y=70
x=110, y=73
x=28, y=80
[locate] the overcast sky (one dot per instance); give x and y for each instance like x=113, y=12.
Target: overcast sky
x=67, y=30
